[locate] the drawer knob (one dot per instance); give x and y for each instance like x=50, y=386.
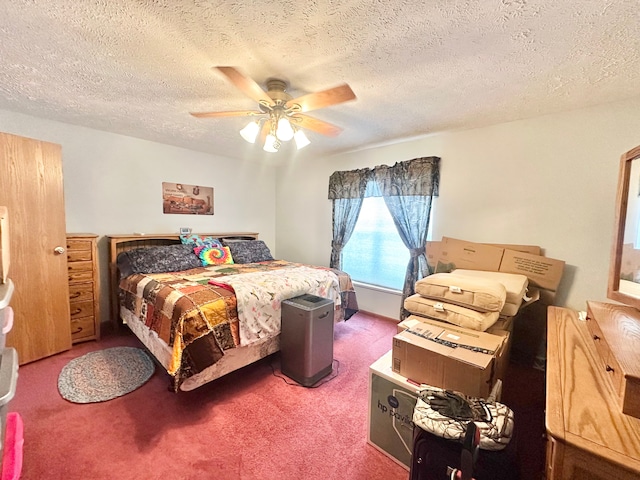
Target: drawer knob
x=609, y=368
x=58, y=250
x=596, y=337
x=77, y=311
x=77, y=331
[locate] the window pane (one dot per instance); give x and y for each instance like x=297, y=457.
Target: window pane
x=375, y=253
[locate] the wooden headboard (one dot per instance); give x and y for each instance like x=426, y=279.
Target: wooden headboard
x=124, y=243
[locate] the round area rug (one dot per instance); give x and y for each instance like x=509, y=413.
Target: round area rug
x=105, y=374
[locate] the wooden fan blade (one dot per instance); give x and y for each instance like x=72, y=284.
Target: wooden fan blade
x=245, y=84
x=264, y=131
x=325, y=98
x=237, y=113
x=316, y=125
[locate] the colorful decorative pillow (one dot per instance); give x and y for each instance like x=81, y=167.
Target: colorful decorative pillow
x=200, y=241
x=213, y=255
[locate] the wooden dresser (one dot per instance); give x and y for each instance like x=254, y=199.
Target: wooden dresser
x=588, y=436
x=84, y=287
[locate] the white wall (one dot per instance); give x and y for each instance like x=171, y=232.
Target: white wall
x=548, y=181
x=113, y=184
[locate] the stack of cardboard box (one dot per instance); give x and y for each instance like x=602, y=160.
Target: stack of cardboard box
x=432, y=352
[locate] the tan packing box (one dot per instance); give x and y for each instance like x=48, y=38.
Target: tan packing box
x=392, y=399
x=421, y=354
x=433, y=249
x=543, y=272
x=4, y=244
x=503, y=328
x=456, y=253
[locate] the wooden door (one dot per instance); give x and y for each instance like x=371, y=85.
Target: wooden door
x=32, y=190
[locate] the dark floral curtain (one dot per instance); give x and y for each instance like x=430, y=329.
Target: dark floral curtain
x=346, y=189
x=408, y=189
x=345, y=216
x=411, y=216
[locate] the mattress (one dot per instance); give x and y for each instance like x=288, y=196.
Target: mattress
x=477, y=293
x=204, y=313
x=450, y=313
x=515, y=285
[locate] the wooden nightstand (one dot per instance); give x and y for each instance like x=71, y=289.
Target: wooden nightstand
x=84, y=286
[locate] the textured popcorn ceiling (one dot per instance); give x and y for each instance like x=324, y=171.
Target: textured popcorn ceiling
x=417, y=66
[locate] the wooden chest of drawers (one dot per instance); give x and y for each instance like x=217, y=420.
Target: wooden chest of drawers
x=588, y=436
x=84, y=288
x=615, y=330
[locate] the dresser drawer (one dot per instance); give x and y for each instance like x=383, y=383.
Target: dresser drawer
x=81, y=292
x=80, y=266
x=82, y=328
x=598, y=339
x=79, y=255
x=615, y=375
x=84, y=286
x=616, y=330
x=80, y=277
x=81, y=309
x=607, y=360
x=74, y=244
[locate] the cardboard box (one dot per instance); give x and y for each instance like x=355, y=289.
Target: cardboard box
x=392, y=399
x=543, y=272
x=433, y=249
x=468, y=255
x=532, y=249
x=420, y=355
x=432, y=252
x=503, y=324
x=503, y=328
x=4, y=244
x=503, y=358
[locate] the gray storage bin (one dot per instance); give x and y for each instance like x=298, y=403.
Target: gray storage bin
x=6, y=315
x=8, y=381
x=306, y=338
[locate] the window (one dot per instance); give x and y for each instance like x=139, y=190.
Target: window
x=375, y=254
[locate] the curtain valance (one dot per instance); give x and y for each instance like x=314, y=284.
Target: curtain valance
x=420, y=176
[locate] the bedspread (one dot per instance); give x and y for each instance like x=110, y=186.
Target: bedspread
x=196, y=311
x=259, y=295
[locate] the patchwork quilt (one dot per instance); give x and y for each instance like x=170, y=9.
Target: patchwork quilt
x=204, y=311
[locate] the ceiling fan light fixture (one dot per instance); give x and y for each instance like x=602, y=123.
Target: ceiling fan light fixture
x=250, y=132
x=284, y=131
x=301, y=139
x=271, y=144
x=281, y=116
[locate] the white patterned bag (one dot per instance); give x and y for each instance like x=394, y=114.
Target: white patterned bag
x=446, y=414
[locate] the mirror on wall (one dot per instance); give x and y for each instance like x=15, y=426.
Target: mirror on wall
x=624, y=271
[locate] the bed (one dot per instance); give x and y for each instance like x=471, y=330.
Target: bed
x=203, y=317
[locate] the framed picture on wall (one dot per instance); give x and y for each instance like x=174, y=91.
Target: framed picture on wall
x=179, y=198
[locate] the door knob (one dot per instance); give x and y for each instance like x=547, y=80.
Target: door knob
x=58, y=250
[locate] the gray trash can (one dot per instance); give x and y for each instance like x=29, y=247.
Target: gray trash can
x=306, y=338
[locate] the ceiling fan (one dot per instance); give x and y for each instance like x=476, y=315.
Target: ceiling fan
x=281, y=117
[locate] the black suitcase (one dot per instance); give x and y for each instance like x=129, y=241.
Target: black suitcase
x=433, y=457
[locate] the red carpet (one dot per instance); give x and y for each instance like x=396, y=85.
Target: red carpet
x=248, y=425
